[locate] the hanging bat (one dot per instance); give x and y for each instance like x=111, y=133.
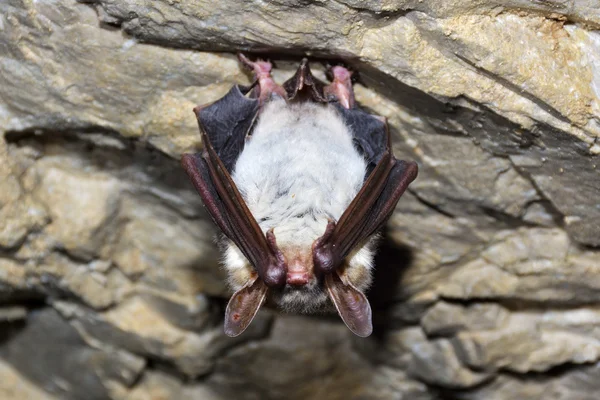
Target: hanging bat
x=299, y=180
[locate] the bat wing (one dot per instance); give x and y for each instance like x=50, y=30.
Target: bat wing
x=366, y=214
x=224, y=126
x=369, y=134
x=243, y=306
x=227, y=122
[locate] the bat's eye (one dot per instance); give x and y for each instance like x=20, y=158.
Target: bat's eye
x=297, y=278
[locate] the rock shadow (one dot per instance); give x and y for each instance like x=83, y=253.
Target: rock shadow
x=391, y=262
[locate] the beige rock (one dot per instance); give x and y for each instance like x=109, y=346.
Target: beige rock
x=13, y=386
x=446, y=318
x=533, y=342
x=19, y=218
x=95, y=197
x=182, y=258
x=580, y=383
x=433, y=361
x=530, y=264
x=12, y=274
x=136, y=327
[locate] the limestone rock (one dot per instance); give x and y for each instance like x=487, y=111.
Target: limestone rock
x=580, y=383
x=533, y=342
x=445, y=318
x=533, y=264
x=486, y=283
x=61, y=362
x=434, y=362
x=138, y=328
x=14, y=387
x=293, y=362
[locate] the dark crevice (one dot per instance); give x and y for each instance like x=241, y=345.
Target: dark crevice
x=157, y=364
x=448, y=393
x=551, y=373
x=392, y=260
x=505, y=220
x=68, y=130
x=9, y=329
x=517, y=304
x=438, y=209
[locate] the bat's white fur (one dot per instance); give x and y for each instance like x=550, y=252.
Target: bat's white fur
x=298, y=169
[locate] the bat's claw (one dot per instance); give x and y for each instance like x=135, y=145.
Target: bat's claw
x=340, y=88
x=266, y=87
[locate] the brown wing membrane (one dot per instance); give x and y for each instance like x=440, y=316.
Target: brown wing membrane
x=351, y=304
x=227, y=123
x=230, y=212
x=243, y=306
x=367, y=213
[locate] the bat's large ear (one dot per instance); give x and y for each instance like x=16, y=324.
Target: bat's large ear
x=351, y=304
x=304, y=86
x=243, y=306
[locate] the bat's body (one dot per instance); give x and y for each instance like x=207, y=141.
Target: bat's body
x=298, y=170
x=299, y=180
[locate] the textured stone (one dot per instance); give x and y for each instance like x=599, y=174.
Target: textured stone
x=533, y=341
x=14, y=387
x=532, y=264
x=293, y=362
x=138, y=328
x=490, y=263
x=445, y=318
x=61, y=362
x=65, y=190
x=434, y=362
x=19, y=218
x=578, y=383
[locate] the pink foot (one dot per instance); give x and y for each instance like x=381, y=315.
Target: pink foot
x=266, y=84
x=341, y=86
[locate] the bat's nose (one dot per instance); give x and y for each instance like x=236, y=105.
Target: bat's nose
x=295, y=278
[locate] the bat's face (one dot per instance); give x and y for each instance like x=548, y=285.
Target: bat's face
x=299, y=180
x=304, y=291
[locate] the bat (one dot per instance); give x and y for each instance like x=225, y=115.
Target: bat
x=299, y=179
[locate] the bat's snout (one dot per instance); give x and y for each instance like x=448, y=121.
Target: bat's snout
x=299, y=270
x=298, y=278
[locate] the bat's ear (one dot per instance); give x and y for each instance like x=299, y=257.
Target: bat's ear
x=351, y=304
x=243, y=306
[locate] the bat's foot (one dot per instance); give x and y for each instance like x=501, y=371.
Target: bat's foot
x=266, y=86
x=340, y=87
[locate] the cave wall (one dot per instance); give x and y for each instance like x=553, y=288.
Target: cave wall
x=488, y=277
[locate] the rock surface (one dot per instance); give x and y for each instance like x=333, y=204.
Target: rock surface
x=488, y=280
